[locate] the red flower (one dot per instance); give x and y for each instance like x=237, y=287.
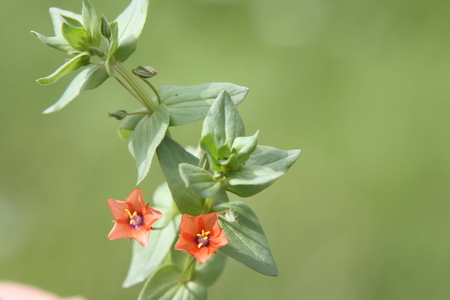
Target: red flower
x=133, y=218
x=201, y=236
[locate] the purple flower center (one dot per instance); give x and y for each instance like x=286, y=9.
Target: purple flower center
x=202, y=239
x=136, y=220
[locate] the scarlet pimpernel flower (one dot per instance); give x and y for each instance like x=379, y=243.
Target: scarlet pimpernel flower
x=201, y=236
x=133, y=218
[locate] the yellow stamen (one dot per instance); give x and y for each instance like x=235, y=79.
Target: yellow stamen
x=203, y=233
x=131, y=215
x=200, y=245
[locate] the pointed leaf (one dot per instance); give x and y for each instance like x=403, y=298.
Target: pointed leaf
x=244, y=146
x=73, y=64
x=131, y=21
x=223, y=120
x=230, y=164
x=170, y=155
x=72, y=22
x=247, y=242
x=276, y=159
x=209, y=145
x=202, y=182
x=165, y=284
x=146, y=137
x=91, y=22
x=59, y=43
x=88, y=79
x=190, y=103
x=78, y=38
x=250, y=180
x=57, y=18
x=112, y=48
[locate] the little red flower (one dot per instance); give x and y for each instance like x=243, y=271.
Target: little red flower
x=201, y=236
x=133, y=218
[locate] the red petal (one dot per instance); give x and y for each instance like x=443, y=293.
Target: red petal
x=186, y=242
x=141, y=235
x=118, y=209
x=136, y=200
x=189, y=224
x=151, y=217
x=211, y=222
x=120, y=231
x=203, y=254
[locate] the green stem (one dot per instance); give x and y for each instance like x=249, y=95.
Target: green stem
x=154, y=90
x=208, y=205
x=138, y=90
x=130, y=90
x=189, y=269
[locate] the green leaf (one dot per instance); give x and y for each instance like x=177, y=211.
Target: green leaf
x=78, y=38
x=202, y=182
x=114, y=41
x=129, y=124
x=247, y=242
x=252, y=175
x=209, y=145
x=57, y=18
x=165, y=284
x=145, y=260
x=146, y=137
x=131, y=21
x=250, y=180
x=126, y=48
x=59, y=43
x=223, y=120
x=210, y=271
x=73, y=64
x=245, y=146
x=229, y=164
x=170, y=155
x=72, y=22
x=276, y=159
x=88, y=79
x=91, y=22
x=191, y=103
x=223, y=151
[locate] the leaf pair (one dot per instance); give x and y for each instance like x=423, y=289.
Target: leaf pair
x=145, y=132
x=234, y=169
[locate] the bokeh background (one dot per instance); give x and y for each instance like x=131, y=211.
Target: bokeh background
x=362, y=87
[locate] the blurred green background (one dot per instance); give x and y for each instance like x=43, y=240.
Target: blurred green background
x=362, y=87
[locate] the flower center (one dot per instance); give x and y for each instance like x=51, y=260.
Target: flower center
x=203, y=239
x=136, y=219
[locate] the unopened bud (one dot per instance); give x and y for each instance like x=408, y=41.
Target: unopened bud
x=144, y=72
x=105, y=29
x=118, y=114
x=231, y=215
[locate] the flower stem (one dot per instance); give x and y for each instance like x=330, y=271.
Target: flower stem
x=130, y=90
x=189, y=268
x=154, y=90
x=137, y=89
x=208, y=205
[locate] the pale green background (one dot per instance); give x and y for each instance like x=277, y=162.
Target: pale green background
x=362, y=87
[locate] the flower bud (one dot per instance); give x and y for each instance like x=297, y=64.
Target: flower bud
x=231, y=215
x=105, y=29
x=118, y=114
x=144, y=72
